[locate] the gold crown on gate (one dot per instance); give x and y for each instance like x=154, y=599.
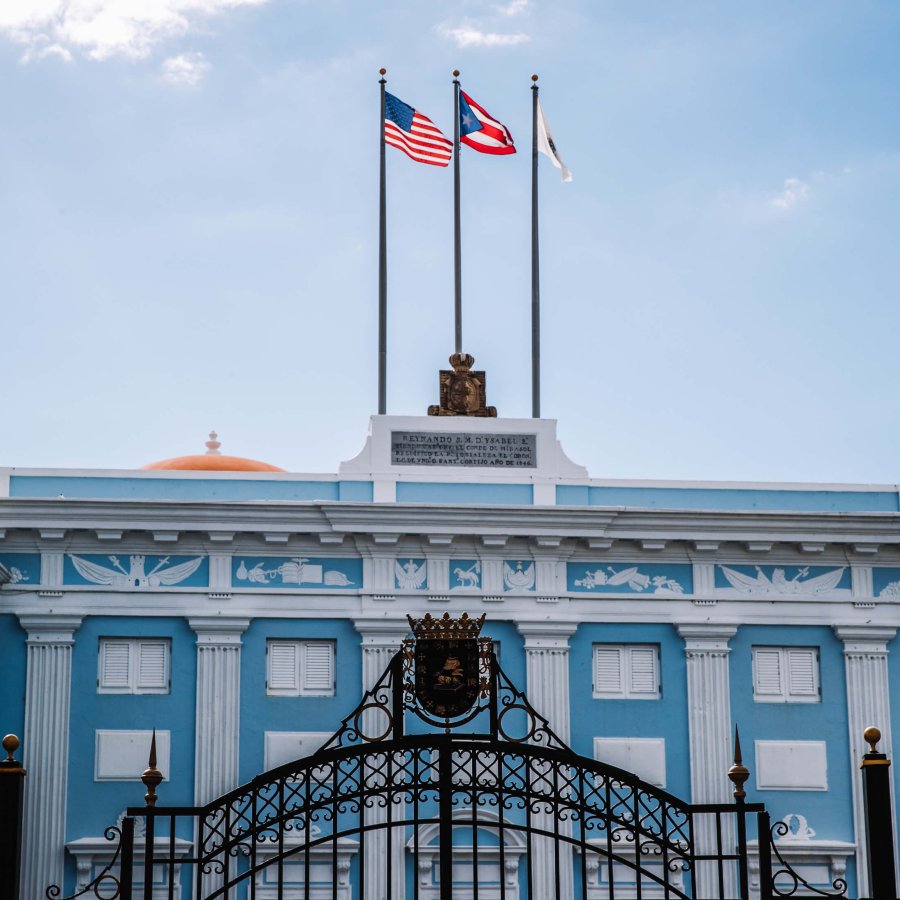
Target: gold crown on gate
x=446, y=626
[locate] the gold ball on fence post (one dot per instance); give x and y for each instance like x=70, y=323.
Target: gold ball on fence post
x=10, y=745
x=872, y=736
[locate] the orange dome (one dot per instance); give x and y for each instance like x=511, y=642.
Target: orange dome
x=213, y=461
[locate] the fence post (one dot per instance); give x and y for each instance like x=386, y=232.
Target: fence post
x=879, y=819
x=12, y=786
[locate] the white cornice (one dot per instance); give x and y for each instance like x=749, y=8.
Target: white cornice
x=50, y=628
x=298, y=518
x=219, y=629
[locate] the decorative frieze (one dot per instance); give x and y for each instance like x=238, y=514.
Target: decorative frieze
x=319, y=573
x=662, y=579
x=782, y=581
x=136, y=571
x=24, y=568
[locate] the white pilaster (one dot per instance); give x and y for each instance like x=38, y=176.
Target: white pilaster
x=45, y=749
x=217, y=729
x=381, y=639
x=866, y=668
x=547, y=677
x=709, y=727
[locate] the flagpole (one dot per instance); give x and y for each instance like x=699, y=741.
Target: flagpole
x=457, y=258
x=535, y=262
x=382, y=268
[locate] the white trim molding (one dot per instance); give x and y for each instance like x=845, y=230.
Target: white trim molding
x=217, y=724
x=709, y=725
x=381, y=639
x=868, y=703
x=547, y=684
x=45, y=748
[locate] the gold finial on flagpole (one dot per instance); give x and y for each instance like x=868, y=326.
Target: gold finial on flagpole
x=382, y=71
x=534, y=78
x=456, y=73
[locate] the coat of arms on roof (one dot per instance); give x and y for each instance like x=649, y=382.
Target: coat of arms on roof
x=462, y=391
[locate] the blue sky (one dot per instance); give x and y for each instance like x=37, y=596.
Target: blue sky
x=189, y=229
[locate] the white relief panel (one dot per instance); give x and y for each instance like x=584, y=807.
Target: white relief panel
x=645, y=757
x=791, y=766
x=124, y=755
x=285, y=746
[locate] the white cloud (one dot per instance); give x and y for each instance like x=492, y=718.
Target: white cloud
x=794, y=191
x=44, y=50
x=513, y=8
x=186, y=70
x=100, y=29
x=469, y=34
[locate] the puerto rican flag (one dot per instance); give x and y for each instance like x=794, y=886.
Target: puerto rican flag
x=416, y=135
x=480, y=130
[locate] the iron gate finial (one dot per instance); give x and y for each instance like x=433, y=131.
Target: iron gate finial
x=152, y=776
x=738, y=773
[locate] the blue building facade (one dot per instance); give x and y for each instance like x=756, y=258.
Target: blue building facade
x=242, y=613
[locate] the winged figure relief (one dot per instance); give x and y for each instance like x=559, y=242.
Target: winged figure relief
x=519, y=579
x=410, y=577
x=135, y=575
x=780, y=584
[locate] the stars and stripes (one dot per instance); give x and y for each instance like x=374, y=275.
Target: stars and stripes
x=416, y=135
x=480, y=130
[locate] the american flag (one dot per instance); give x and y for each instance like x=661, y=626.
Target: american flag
x=416, y=135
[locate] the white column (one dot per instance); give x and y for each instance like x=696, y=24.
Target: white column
x=217, y=725
x=45, y=749
x=866, y=668
x=709, y=728
x=547, y=679
x=381, y=639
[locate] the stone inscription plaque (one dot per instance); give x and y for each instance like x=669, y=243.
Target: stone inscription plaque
x=428, y=448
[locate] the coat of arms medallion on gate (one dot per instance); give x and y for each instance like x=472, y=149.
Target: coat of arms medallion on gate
x=448, y=656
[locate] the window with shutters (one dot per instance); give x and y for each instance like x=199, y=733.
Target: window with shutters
x=786, y=675
x=300, y=668
x=133, y=666
x=626, y=671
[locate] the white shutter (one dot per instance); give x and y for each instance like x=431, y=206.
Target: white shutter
x=803, y=672
x=318, y=671
x=153, y=668
x=115, y=657
x=607, y=670
x=642, y=677
x=767, y=681
x=283, y=667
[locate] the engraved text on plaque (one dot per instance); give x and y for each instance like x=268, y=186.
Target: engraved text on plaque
x=428, y=448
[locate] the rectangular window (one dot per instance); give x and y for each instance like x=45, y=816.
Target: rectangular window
x=133, y=666
x=300, y=668
x=786, y=675
x=626, y=671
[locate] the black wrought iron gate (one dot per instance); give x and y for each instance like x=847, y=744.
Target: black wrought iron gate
x=443, y=784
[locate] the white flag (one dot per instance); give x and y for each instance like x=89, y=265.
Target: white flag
x=546, y=146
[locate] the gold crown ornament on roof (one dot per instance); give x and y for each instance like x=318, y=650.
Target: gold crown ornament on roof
x=446, y=626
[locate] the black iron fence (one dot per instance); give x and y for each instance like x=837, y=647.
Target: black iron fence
x=500, y=812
